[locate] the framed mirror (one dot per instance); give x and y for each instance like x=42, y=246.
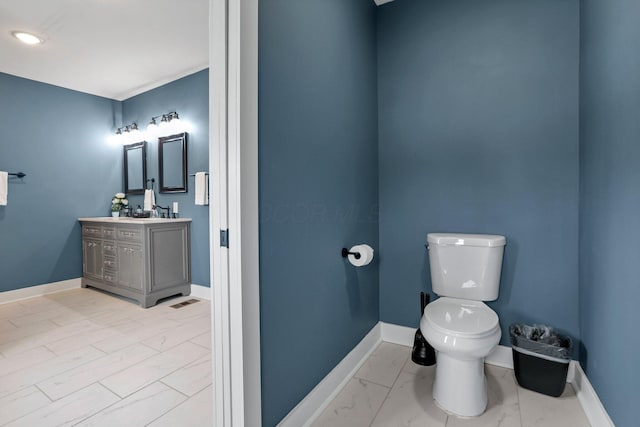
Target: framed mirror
x=172, y=163
x=135, y=168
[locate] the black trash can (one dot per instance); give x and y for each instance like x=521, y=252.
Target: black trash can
x=541, y=358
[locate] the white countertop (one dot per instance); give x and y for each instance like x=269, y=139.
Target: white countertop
x=127, y=220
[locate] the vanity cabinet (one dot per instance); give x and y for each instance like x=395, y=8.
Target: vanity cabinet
x=142, y=259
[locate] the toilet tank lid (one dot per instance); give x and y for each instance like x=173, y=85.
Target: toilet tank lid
x=458, y=239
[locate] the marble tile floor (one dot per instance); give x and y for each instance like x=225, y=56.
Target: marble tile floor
x=87, y=358
x=390, y=390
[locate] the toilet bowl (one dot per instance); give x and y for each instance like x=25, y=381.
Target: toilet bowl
x=463, y=332
x=465, y=271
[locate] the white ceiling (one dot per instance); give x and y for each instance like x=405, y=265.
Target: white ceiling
x=111, y=48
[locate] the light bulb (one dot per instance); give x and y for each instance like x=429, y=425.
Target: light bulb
x=116, y=138
x=26, y=37
x=163, y=128
x=126, y=136
x=135, y=135
x=152, y=130
x=175, y=125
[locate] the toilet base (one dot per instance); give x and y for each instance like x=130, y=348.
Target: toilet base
x=460, y=386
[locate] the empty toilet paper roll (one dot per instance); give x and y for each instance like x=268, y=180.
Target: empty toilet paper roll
x=366, y=255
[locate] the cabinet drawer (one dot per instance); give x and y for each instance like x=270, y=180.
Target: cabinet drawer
x=109, y=248
x=110, y=276
x=130, y=234
x=109, y=262
x=92, y=230
x=108, y=232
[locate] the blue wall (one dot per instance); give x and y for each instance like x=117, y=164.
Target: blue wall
x=610, y=202
x=188, y=96
x=318, y=190
x=478, y=132
x=58, y=138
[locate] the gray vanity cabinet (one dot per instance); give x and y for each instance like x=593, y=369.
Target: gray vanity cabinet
x=143, y=259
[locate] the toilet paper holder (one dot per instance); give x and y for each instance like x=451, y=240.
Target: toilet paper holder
x=346, y=253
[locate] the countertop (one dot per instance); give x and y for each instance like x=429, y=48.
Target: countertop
x=128, y=220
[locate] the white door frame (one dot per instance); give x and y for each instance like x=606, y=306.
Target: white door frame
x=233, y=168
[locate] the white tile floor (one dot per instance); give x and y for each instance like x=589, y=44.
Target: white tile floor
x=390, y=390
x=86, y=358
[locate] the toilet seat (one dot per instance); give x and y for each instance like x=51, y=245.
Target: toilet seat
x=461, y=318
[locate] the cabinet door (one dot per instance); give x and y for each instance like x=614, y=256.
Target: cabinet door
x=92, y=258
x=170, y=265
x=130, y=266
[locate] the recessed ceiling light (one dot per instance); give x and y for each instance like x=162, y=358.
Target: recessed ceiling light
x=27, y=37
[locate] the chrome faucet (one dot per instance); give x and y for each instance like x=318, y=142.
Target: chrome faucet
x=168, y=209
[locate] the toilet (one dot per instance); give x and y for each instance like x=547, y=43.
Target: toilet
x=465, y=271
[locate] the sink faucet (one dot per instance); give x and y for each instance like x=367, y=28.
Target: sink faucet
x=168, y=209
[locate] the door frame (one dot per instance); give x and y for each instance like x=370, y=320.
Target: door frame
x=233, y=178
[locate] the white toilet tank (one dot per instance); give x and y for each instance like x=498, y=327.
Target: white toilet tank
x=466, y=266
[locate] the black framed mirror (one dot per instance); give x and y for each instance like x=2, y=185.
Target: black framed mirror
x=172, y=163
x=135, y=168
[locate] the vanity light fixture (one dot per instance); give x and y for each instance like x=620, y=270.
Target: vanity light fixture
x=169, y=124
x=27, y=38
x=128, y=134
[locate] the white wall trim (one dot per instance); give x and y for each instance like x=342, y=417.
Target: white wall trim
x=404, y=335
x=200, y=291
x=221, y=360
x=396, y=334
x=319, y=398
x=500, y=356
x=233, y=165
x=244, y=205
x=589, y=400
x=39, y=290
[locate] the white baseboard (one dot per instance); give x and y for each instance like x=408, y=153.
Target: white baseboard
x=319, y=398
x=589, y=400
x=502, y=356
x=396, y=334
x=200, y=291
x=39, y=290
x=403, y=335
